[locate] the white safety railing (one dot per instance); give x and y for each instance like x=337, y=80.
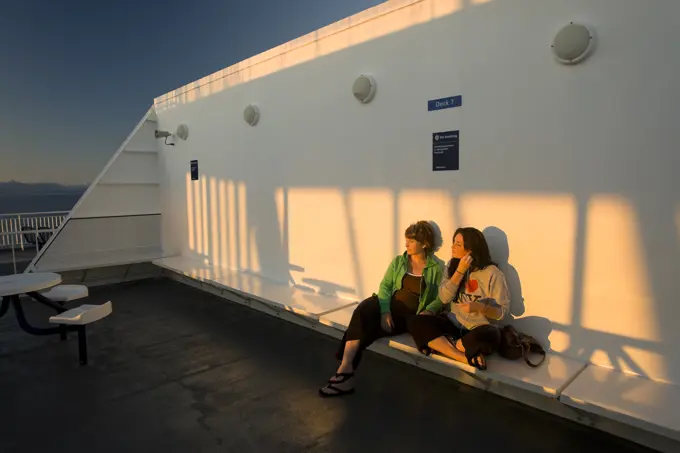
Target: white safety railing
x=23, y=231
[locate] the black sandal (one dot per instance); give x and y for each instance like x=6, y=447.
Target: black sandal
x=344, y=376
x=478, y=361
x=333, y=386
x=338, y=392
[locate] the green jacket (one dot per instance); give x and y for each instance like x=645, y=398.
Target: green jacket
x=391, y=283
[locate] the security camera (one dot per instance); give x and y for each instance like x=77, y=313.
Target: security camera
x=165, y=135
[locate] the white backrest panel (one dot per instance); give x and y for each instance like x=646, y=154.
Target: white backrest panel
x=107, y=241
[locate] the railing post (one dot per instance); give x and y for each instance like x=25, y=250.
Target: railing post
x=37, y=242
x=14, y=260
x=21, y=236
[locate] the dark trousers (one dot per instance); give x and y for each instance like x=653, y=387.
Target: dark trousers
x=483, y=340
x=365, y=325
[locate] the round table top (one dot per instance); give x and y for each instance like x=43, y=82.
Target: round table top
x=12, y=285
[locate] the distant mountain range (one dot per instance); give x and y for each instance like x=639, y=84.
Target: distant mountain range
x=19, y=197
x=15, y=188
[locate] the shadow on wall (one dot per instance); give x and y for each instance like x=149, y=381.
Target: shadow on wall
x=438, y=242
x=325, y=287
x=248, y=250
x=500, y=253
x=536, y=326
x=438, y=237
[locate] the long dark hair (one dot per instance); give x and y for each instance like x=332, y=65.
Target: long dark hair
x=475, y=242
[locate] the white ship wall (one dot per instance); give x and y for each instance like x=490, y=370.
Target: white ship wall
x=569, y=170
x=117, y=221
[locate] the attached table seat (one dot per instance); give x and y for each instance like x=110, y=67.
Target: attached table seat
x=80, y=317
x=66, y=293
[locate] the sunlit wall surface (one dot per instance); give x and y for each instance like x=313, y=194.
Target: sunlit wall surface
x=569, y=170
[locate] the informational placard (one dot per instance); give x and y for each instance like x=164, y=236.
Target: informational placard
x=444, y=103
x=194, y=170
x=445, y=152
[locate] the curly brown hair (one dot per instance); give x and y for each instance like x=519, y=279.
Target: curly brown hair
x=422, y=232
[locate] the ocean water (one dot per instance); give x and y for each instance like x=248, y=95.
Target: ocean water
x=38, y=202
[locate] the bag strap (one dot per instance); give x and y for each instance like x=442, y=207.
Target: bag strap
x=525, y=352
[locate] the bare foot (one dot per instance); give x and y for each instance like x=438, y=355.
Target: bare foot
x=340, y=377
x=341, y=373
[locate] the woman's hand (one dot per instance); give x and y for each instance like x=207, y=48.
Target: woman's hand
x=464, y=264
x=487, y=301
x=426, y=313
x=386, y=322
x=472, y=307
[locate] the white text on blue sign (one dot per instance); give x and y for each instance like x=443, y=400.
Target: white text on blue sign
x=444, y=103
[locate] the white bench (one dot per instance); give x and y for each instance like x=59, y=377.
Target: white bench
x=549, y=379
x=77, y=318
x=66, y=293
x=632, y=400
x=254, y=288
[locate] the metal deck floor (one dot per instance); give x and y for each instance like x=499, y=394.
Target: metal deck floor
x=174, y=369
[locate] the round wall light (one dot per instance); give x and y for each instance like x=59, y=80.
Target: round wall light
x=573, y=43
x=251, y=115
x=182, y=131
x=364, y=88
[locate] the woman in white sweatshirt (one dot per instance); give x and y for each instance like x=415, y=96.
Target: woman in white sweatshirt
x=475, y=295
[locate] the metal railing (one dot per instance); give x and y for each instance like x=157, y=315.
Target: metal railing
x=30, y=230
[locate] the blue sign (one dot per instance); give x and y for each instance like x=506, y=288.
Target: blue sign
x=444, y=103
x=445, y=151
x=194, y=170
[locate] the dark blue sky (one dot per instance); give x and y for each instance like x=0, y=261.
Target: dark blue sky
x=77, y=75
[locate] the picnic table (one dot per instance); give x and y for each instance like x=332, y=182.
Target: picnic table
x=14, y=286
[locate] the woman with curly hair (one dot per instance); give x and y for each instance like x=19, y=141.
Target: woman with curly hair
x=408, y=289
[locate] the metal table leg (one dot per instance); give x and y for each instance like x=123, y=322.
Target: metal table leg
x=25, y=326
x=61, y=330
x=45, y=301
x=5, y=305
x=82, y=334
x=82, y=345
x=59, y=307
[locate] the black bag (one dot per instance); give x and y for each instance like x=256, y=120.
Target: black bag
x=515, y=345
